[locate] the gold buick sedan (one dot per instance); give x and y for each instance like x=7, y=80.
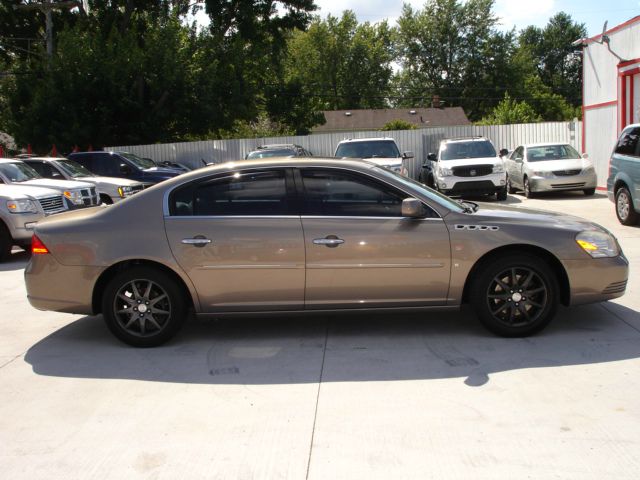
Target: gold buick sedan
x=285, y=236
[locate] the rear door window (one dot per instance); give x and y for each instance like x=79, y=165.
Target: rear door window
x=628, y=142
x=250, y=193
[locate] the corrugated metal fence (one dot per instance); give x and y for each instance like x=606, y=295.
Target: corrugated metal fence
x=421, y=142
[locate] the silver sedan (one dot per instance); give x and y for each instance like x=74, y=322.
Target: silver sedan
x=549, y=167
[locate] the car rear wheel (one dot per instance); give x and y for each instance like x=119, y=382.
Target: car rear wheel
x=624, y=207
x=143, y=307
x=6, y=242
x=515, y=296
x=589, y=191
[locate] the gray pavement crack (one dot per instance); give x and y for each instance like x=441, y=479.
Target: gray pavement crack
x=315, y=414
x=10, y=361
x=603, y=305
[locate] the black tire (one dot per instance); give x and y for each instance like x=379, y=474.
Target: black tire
x=624, y=207
x=516, y=295
x=589, y=191
x=6, y=242
x=106, y=199
x=510, y=188
x=527, y=188
x=501, y=194
x=146, y=288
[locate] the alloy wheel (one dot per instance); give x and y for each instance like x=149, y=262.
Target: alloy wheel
x=623, y=204
x=517, y=297
x=142, y=308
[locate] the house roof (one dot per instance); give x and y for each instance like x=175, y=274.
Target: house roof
x=350, y=120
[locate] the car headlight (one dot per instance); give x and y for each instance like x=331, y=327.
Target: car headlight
x=588, y=170
x=75, y=196
x=444, y=171
x=598, y=244
x=543, y=174
x=22, y=206
x=124, y=191
x=498, y=168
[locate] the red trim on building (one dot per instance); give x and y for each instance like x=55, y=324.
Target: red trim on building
x=631, y=82
x=600, y=105
x=626, y=63
x=614, y=29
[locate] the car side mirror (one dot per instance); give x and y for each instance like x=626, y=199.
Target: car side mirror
x=55, y=174
x=407, y=155
x=504, y=152
x=125, y=169
x=518, y=160
x=412, y=208
x=432, y=157
x=585, y=155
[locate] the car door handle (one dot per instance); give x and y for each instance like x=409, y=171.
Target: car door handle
x=330, y=241
x=196, y=241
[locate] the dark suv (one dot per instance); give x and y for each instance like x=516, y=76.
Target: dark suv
x=623, y=184
x=124, y=165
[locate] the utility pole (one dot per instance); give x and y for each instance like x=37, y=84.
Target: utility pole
x=47, y=9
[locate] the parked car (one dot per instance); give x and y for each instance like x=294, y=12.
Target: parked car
x=290, y=235
x=466, y=166
x=381, y=151
x=110, y=189
x=623, y=183
x=549, y=167
x=21, y=207
x=278, y=150
x=77, y=194
x=124, y=165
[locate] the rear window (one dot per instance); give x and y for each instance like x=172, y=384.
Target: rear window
x=628, y=142
x=366, y=149
x=470, y=149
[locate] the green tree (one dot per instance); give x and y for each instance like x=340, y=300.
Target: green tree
x=556, y=61
x=398, y=125
x=509, y=111
x=341, y=63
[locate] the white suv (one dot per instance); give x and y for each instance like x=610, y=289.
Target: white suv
x=381, y=151
x=467, y=166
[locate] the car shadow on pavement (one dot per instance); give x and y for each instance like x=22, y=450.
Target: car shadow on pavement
x=17, y=261
x=340, y=348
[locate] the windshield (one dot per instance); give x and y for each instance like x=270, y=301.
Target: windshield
x=18, y=172
x=470, y=149
x=551, y=152
x=74, y=169
x=281, y=152
x=139, y=162
x=365, y=149
x=426, y=191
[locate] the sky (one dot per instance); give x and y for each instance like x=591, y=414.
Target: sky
x=512, y=13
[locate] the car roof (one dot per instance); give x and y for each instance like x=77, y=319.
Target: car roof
x=11, y=160
x=464, y=139
x=368, y=139
x=545, y=144
x=278, y=145
x=46, y=159
x=288, y=162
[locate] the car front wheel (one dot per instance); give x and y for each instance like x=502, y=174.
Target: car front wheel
x=624, y=207
x=501, y=194
x=527, y=189
x=515, y=296
x=143, y=307
x=6, y=242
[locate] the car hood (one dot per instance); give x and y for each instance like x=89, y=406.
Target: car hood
x=57, y=184
x=18, y=190
x=554, y=165
x=114, y=181
x=469, y=162
x=525, y=216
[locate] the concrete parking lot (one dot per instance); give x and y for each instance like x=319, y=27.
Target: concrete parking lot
x=395, y=396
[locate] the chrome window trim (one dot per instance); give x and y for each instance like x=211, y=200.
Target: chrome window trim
x=219, y=217
x=356, y=217
x=167, y=193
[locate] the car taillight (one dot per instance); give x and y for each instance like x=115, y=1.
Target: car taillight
x=37, y=247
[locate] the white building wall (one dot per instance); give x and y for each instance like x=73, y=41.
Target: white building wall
x=599, y=142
